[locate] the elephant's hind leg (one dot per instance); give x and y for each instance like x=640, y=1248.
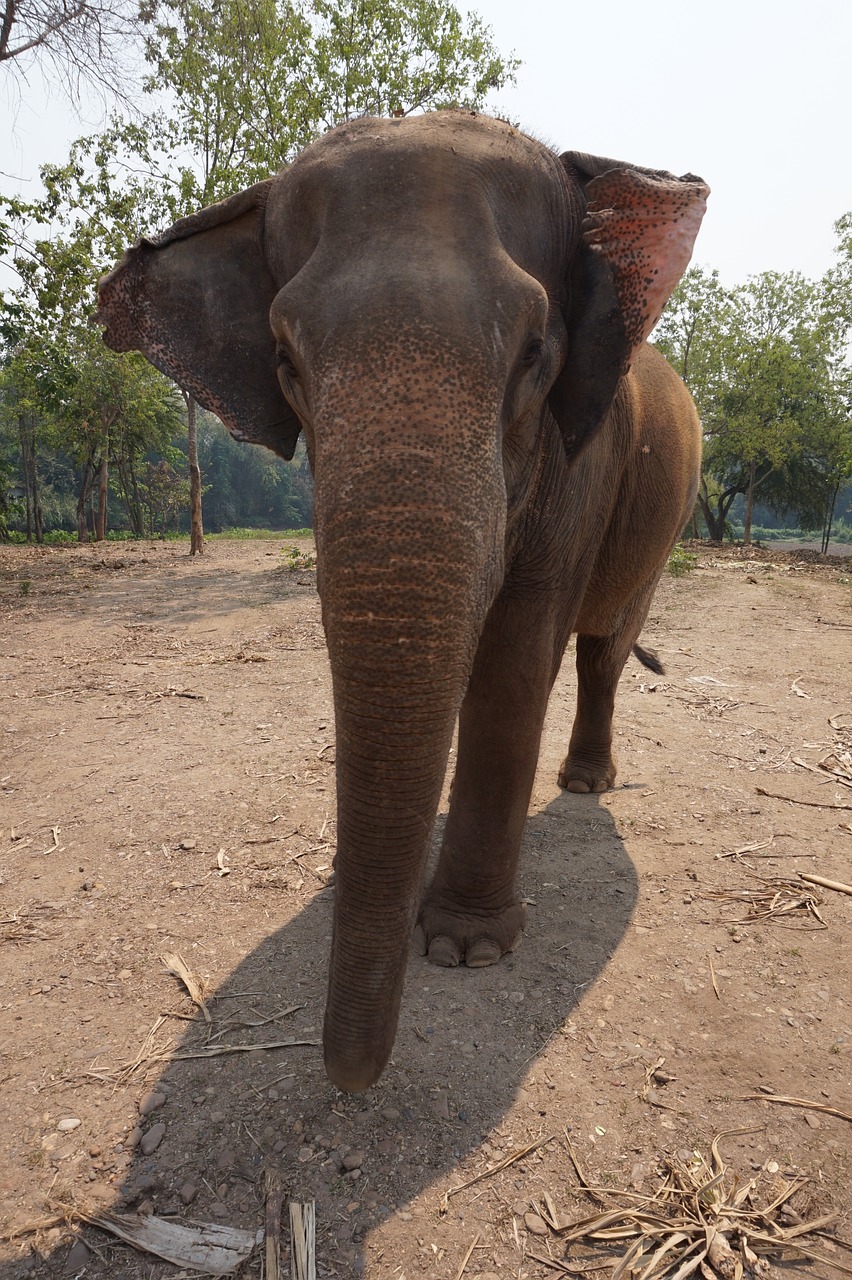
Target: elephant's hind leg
x=590, y=764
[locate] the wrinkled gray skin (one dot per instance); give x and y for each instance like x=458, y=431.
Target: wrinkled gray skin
x=456, y=318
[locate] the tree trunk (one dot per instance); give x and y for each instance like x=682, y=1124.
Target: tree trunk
x=749, y=505
x=82, y=524
x=26, y=428
x=103, y=497
x=829, y=520
x=196, y=543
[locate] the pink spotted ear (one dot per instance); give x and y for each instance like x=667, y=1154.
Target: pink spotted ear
x=637, y=239
x=644, y=224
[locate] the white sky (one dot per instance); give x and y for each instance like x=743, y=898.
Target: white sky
x=753, y=95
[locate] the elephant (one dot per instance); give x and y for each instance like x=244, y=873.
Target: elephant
x=456, y=317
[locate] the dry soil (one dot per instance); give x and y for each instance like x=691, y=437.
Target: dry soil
x=167, y=775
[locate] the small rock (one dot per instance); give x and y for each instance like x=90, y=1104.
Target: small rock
x=222, y=1190
x=812, y=1120
x=226, y=1158
x=133, y=1138
x=519, y=1208
x=306, y=1154
x=125, y=974
x=390, y=1113
x=187, y=1192
x=69, y=1124
x=78, y=1256
x=218, y=1209
x=152, y=1139
x=187, y=844
x=151, y=1102
x=352, y=1176
x=535, y=1225
x=146, y=1208
x=353, y=1160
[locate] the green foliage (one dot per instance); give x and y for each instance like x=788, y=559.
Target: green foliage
x=767, y=364
x=681, y=562
x=296, y=558
x=254, y=84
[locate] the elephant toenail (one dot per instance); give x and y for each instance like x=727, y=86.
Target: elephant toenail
x=482, y=953
x=577, y=785
x=444, y=952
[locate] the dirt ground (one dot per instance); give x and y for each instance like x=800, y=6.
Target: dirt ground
x=167, y=775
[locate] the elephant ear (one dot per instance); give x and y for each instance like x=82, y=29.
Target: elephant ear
x=195, y=301
x=636, y=242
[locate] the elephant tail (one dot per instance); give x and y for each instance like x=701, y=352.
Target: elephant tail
x=649, y=659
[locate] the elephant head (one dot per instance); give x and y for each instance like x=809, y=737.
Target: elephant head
x=434, y=301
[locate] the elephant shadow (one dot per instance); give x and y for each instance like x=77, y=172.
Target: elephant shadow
x=467, y=1039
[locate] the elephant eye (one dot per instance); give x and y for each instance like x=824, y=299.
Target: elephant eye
x=532, y=353
x=285, y=362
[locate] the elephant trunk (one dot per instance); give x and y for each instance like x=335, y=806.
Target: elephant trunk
x=409, y=558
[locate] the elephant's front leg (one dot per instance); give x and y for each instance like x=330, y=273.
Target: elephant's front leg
x=471, y=912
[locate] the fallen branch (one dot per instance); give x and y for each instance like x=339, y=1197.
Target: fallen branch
x=303, y=1256
x=274, y=1200
x=797, y=1102
x=211, y=1248
x=812, y=804
x=826, y=884
x=178, y=967
x=467, y=1257
x=497, y=1168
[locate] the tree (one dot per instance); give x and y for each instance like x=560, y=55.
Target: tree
x=83, y=41
x=253, y=83
x=59, y=383
x=765, y=364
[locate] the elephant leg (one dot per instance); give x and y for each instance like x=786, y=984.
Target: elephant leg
x=470, y=912
x=590, y=765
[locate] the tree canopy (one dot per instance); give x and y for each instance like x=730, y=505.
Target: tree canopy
x=234, y=90
x=767, y=363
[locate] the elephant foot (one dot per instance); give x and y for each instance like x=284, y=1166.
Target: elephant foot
x=449, y=938
x=584, y=776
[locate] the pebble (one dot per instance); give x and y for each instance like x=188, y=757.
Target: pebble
x=390, y=1113
x=812, y=1120
x=353, y=1160
x=218, y=1209
x=188, y=1192
x=125, y=974
x=151, y=1102
x=519, y=1208
x=69, y=1124
x=187, y=844
x=535, y=1225
x=78, y=1256
x=306, y=1154
x=133, y=1138
x=152, y=1139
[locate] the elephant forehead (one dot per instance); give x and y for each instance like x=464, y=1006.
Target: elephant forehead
x=458, y=182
